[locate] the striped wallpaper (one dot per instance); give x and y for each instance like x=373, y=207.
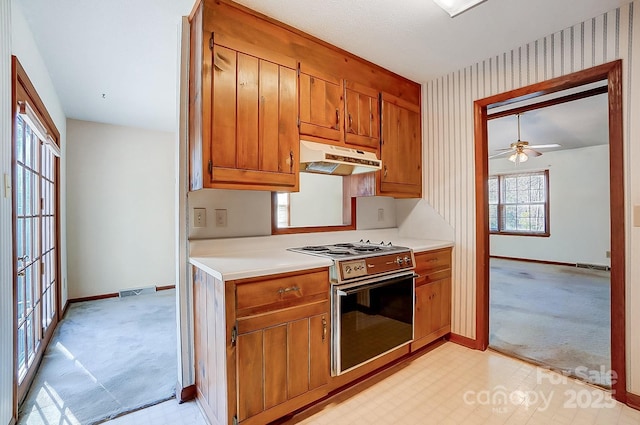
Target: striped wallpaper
x=448, y=126
x=6, y=291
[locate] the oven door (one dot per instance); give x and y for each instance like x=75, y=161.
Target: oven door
x=370, y=318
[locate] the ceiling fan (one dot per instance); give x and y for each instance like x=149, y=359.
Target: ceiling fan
x=521, y=150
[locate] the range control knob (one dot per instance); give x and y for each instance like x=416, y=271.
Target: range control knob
x=347, y=269
x=407, y=260
x=399, y=261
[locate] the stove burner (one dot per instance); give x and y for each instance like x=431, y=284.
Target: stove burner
x=345, y=245
x=317, y=248
x=336, y=252
x=367, y=248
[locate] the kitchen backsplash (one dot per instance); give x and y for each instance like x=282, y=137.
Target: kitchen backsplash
x=248, y=213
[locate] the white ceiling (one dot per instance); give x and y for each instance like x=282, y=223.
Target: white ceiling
x=572, y=125
x=127, y=49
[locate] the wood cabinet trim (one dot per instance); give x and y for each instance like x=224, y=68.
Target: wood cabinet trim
x=346, y=56
x=254, y=50
x=413, y=107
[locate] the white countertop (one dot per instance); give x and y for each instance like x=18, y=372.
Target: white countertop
x=239, y=258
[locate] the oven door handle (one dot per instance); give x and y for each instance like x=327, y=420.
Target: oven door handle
x=353, y=290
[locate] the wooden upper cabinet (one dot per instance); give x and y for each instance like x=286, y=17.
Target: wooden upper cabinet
x=401, y=149
x=254, y=141
x=257, y=86
x=362, y=116
x=321, y=104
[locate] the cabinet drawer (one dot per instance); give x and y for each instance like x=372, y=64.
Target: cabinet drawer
x=258, y=296
x=427, y=262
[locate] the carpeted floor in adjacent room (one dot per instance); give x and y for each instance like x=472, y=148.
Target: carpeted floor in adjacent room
x=106, y=358
x=557, y=316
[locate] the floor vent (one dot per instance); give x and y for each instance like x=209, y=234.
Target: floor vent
x=593, y=266
x=137, y=291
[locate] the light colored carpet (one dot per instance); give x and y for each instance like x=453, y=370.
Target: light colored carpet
x=557, y=316
x=106, y=358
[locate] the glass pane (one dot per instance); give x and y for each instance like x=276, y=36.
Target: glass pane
x=20, y=237
x=28, y=301
x=493, y=190
x=21, y=348
x=28, y=238
x=19, y=190
x=27, y=145
x=19, y=142
x=523, y=217
x=28, y=190
x=510, y=218
x=493, y=217
x=20, y=290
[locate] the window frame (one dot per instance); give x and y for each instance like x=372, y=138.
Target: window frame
x=500, y=205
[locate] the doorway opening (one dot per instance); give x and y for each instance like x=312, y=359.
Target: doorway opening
x=549, y=232
x=610, y=73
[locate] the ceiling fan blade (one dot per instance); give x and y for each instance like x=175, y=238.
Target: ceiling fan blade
x=551, y=145
x=504, y=149
x=500, y=154
x=531, y=152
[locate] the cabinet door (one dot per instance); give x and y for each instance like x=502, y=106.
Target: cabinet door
x=443, y=299
x=321, y=107
x=362, y=116
x=281, y=362
x=401, y=149
x=423, y=319
x=254, y=138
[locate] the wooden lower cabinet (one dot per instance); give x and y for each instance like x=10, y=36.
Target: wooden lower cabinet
x=267, y=355
x=432, y=297
x=280, y=363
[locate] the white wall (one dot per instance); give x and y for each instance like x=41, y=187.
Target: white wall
x=449, y=145
x=121, y=185
x=24, y=47
x=578, y=203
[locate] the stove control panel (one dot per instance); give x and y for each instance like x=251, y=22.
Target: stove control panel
x=374, y=265
x=355, y=268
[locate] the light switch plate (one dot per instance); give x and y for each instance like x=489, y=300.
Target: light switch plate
x=199, y=217
x=636, y=216
x=380, y=214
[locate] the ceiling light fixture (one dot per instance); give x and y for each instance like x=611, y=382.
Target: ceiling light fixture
x=518, y=156
x=456, y=7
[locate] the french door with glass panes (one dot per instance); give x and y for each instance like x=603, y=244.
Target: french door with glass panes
x=35, y=244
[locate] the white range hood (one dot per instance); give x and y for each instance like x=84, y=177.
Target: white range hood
x=338, y=160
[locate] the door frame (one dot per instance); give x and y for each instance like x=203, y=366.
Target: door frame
x=612, y=72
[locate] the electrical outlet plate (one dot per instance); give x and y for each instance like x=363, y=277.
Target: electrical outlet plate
x=199, y=217
x=380, y=214
x=221, y=218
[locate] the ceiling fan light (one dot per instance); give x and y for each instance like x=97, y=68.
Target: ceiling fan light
x=513, y=157
x=522, y=157
x=456, y=7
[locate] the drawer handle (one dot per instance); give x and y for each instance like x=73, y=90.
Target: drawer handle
x=432, y=260
x=282, y=291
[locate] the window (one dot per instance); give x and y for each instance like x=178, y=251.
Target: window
x=519, y=204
